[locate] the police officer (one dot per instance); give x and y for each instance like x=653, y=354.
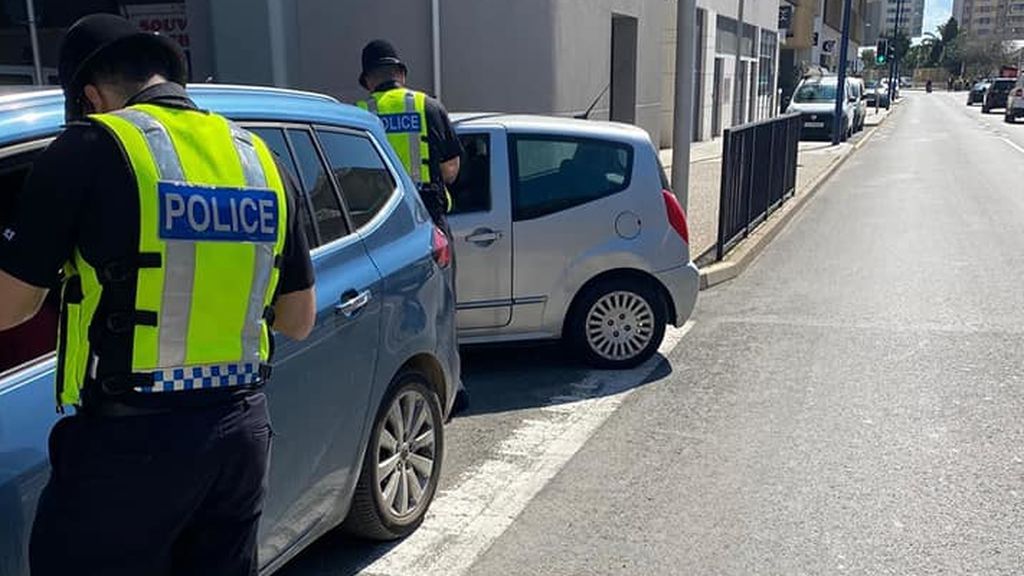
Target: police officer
x=417, y=125
x=179, y=245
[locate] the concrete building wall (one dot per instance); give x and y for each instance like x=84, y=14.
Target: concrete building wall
x=762, y=15
x=547, y=57
x=536, y=56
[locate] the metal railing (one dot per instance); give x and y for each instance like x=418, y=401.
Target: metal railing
x=759, y=163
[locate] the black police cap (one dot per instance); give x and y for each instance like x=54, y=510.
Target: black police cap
x=376, y=54
x=95, y=35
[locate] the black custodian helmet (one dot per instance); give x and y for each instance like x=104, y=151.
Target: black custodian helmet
x=96, y=35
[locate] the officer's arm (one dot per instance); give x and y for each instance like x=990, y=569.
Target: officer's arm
x=295, y=314
x=19, y=301
x=450, y=170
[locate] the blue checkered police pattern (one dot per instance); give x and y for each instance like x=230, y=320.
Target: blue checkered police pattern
x=203, y=377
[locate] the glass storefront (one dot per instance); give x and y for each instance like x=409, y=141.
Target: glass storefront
x=53, y=17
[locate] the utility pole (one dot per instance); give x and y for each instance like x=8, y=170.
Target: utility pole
x=682, y=124
x=737, y=110
x=894, y=61
x=844, y=52
x=37, y=62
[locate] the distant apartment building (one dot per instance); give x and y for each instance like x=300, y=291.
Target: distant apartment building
x=911, y=19
x=873, y=28
x=1000, y=19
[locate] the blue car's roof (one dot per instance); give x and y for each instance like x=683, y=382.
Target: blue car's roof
x=39, y=113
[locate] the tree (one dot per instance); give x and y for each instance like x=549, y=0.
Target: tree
x=982, y=58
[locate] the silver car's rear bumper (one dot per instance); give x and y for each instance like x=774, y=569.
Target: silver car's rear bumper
x=683, y=283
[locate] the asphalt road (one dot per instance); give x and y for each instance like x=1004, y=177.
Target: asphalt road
x=852, y=404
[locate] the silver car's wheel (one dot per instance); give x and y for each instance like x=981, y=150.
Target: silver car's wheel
x=618, y=322
x=405, y=455
x=620, y=325
x=402, y=464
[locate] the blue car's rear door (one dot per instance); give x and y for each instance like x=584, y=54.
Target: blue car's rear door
x=320, y=388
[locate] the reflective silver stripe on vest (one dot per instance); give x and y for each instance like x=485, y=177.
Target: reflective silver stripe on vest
x=180, y=256
x=371, y=105
x=263, y=262
x=415, y=157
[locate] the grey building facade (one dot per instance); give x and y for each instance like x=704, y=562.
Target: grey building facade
x=555, y=57
x=724, y=95
x=532, y=56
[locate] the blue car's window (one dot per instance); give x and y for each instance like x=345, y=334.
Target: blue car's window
x=360, y=172
x=554, y=174
x=274, y=137
x=330, y=219
x=38, y=336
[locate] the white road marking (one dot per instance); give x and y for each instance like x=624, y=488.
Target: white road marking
x=465, y=521
x=1013, y=145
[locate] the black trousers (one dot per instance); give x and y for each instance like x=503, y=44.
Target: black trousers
x=169, y=494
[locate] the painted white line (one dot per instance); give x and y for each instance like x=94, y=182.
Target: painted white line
x=1013, y=145
x=465, y=521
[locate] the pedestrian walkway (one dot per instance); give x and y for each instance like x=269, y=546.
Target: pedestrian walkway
x=706, y=177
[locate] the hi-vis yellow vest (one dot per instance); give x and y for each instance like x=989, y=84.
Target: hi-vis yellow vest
x=403, y=113
x=212, y=223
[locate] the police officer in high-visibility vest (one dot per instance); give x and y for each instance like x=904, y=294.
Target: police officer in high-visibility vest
x=179, y=244
x=417, y=125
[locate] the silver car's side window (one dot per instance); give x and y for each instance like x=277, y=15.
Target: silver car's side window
x=551, y=174
x=471, y=191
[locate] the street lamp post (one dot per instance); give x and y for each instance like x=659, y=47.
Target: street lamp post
x=894, y=62
x=844, y=52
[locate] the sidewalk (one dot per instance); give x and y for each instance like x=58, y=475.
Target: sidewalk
x=706, y=175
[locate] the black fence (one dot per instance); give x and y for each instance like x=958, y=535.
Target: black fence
x=758, y=175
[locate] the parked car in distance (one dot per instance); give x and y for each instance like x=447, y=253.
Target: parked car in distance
x=977, y=92
x=997, y=93
x=876, y=94
x=567, y=229
x=860, y=107
x=383, y=351
x=1015, y=102
x=815, y=100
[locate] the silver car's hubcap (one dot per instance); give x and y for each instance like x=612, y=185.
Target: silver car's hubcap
x=620, y=325
x=405, y=455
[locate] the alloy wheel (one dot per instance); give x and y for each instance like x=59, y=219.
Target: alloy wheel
x=620, y=325
x=406, y=455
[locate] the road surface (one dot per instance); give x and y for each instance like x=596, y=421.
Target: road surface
x=852, y=404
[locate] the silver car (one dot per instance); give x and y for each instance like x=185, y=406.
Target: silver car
x=566, y=229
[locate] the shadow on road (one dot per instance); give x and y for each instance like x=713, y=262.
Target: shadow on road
x=519, y=377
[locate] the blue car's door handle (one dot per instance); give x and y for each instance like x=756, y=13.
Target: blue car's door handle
x=352, y=302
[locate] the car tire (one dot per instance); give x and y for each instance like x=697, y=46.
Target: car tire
x=617, y=323
x=985, y=109
x=372, y=516
x=1009, y=119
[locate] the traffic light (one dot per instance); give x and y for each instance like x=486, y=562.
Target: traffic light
x=882, y=51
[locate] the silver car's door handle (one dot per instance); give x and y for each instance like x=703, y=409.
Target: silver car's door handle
x=352, y=303
x=484, y=237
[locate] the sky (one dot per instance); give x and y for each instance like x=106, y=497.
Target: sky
x=936, y=12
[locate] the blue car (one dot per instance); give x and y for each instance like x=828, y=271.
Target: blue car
x=383, y=353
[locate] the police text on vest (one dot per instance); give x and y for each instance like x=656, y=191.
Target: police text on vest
x=217, y=214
